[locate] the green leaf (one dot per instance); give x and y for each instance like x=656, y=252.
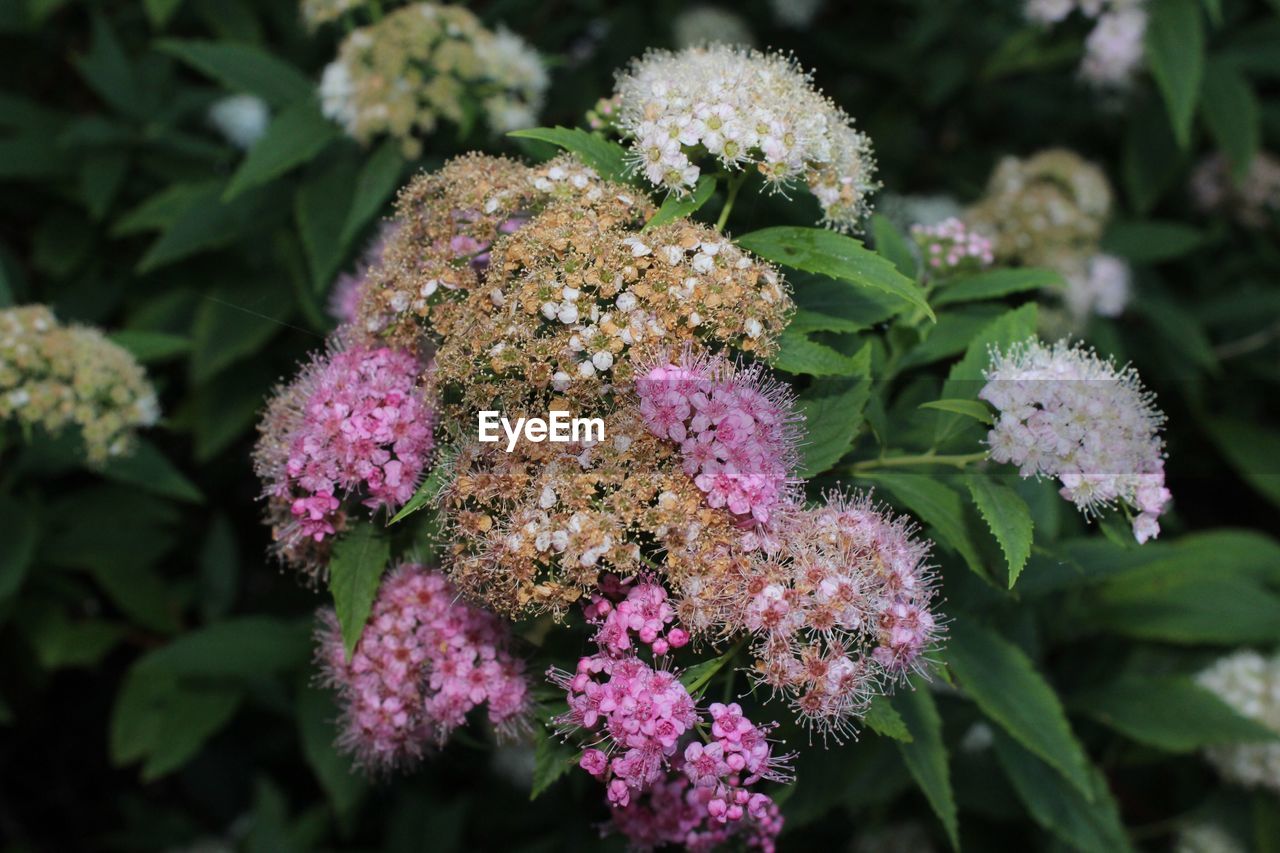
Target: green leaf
x=892, y=245
x=937, y=504
x=101, y=175
x=321, y=208
x=61, y=642
x=882, y=719
x=1001, y=679
x=818, y=250
x=1149, y=242
x=696, y=678
x=295, y=136
x=926, y=756
x=379, y=178
x=164, y=723
x=318, y=734
x=996, y=283
x=1250, y=448
x=237, y=650
x=1188, y=607
x=205, y=222
x=160, y=11
x=1175, y=55
x=551, y=760
x=832, y=410
x=1230, y=111
x=151, y=347
x=107, y=70
x=161, y=210
x=1008, y=517
x=965, y=378
x=431, y=487
x=1172, y=713
x=798, y=354
x=150, y=470
x=243, y=68
x=1088, y=822
x=234, y=323
x=219, y=569
x=828, y=305
x=607, y=158
x=1152, y=160
x=968, y=408
x=19, y=531
x=355, y=570
x=680, y=206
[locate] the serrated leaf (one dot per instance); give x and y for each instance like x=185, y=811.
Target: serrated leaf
x=696, y=678
x=431, y=486
x=893, y=245
x=937, y=505
x=607, y=158
x=551, y=760
x=678, y=207
x=926, y=756
x=1004, y=683
x=243, y=68
x=798, y=354
x=1087, y=822
x=832, y=410
x=355, y=570
x=378, y=179
x=1175, y=55
x=1172, y=713
x=968, y=408
x=294, y=136
x=818, y=250
x=965, y=378
x=1008, y=518
x=882, y=719
x=995, y=283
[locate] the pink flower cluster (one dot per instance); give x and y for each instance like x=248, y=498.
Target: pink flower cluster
x=675, y=811
x=1066, y=413
x=344, y=299
x=422, y=663
x=950, y=247
x=362, y=424
x=737, y=431
x=642, y=713
x=644, y=612
x=739, y=755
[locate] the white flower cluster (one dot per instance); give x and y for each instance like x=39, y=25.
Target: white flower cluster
x=1099, y=284
x=1249, y=683
x=1113, y=50
x=1066, y=413
x=1206, y=838
x=743, y=107
x=424, y=63
x=241, y=119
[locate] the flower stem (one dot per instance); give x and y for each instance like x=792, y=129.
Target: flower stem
x=955, y=460
x=735, y=184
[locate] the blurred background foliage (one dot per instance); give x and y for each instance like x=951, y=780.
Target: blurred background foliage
x=154, y=691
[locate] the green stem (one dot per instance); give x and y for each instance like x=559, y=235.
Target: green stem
x=735, y=184
x=955, y=460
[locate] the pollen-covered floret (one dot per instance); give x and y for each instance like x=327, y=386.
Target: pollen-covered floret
x=1066, y=413
x=423, y=662
x=743, y=108
x=54, y=377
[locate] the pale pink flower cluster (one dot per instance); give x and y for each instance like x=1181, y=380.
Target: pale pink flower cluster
x=344, y=299
x=423, y=662
x=674, y=811
x=1066, y=413
x=950, y=247
x=645, y=613
x=1114, y=48
x=737, y=431
x=738, y=755
x=641, y=714
x=361, y=424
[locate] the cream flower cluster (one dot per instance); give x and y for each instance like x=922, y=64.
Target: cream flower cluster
x=1249, y=683
x=1066, y=413
x=1113, y=50
x=425, y=63
x=241, y=119
x=737, y=107
x=54, y=376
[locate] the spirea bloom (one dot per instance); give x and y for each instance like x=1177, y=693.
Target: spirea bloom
x=1066, y=413
x=348, y=287
x=949, y=247
x=355, y=422
x=743, y=108
x=738, y=431
x=425, y=63
x=1253, y=201
x=673, y=811
x=642, y=616
x=423, y=662
x=54, y=376
x=1114, y=47
x=241, y=119
x=1099, y=284
x=1249, y=683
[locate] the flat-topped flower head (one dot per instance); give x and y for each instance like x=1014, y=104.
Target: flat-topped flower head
x=425, y=63
x=423, y=662
x=1114, y=48
x=1066, y=413
x=54, y=377
x=355, y=422
x=1249, y=683
x=740, y=108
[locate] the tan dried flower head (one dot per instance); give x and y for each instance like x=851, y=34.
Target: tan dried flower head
x=579, y=295
x=1038, y=210
x=447, y=220
x=534, y=528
